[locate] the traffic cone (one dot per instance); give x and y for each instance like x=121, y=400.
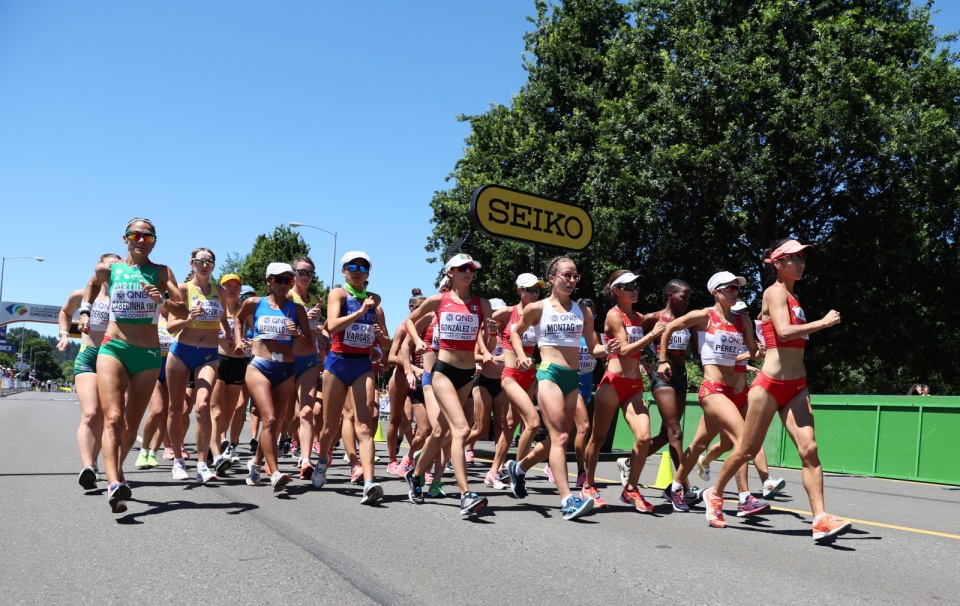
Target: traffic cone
x=379, y=435
x=665, y=473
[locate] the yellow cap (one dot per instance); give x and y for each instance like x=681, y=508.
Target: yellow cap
x=226, y=278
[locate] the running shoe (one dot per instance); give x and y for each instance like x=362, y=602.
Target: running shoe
x=826, y=526
x=549, y=473
x=295, y=448
x=141, y=459
x=221, y=464
x=371, y=494
x=518, y=481
x=436, y=490
x=223, y=445
x=168, y=454
x=623, y=464
x=493, y=481
x=179, y=471
x=319, y=476
x=591, y=492
x=346, y=458
x=253, y=445
x=87, y=478
x=116, y=497
x=676, y=499
x=406, y=464
x=284, y=446
x=393, y=468
x=414, y=488
x=471, y=503
x=204, y=474
x=773, y=486
x=229, y=452
x=633, y=497
x=693, y=495
x=429, y=477
x=576, y=507
x=184, y=453
x=279, y=481
x=96, y=472
x=703, y=469
x=469, y=456
x=306, y=469
x=356, y=474
x=253, y=477
x=581, y=479
x=316, y=447
x=152, y=460
x=714, y=506
x=751, y=506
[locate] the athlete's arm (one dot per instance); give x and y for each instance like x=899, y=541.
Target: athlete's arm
x=430, y=304
x=66, y=315
x=487, y=337
x=596, y=348
x=696, y=318
x=245, y=311
x=175, y=300
x=530, y=317
x=778, y=308
x=393, y=357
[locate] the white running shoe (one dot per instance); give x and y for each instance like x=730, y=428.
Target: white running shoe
x=179, y=471
x=703, y=470
x=493, y=481
x=772, y=486
x=371, y=494
x=279, y=481
x=623, y=464
x=204, y=475
x=253, y=478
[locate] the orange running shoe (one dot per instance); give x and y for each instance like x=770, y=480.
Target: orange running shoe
x=591, y=492
x=306, y=469
x=826, y=526
x=633, y=497
x=714, y=506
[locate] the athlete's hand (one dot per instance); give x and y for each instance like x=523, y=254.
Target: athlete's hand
x=412, y=380
x=377, y=331
x=152, y=291
x=658, y=329
x=367, y=305
x=196, y=311
x=492, y=326
x=832, y=317
x=420, y=348
x=487, y=358
x=238, y=348
x=613, y=347
x=64, y=341
x=83, y=324
x=524, y=363
x=291, y=325
x=314, y=312
x=647, y=367
x=665, y=370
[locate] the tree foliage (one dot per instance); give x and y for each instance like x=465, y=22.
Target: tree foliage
x=695, y=132
x=282, y=246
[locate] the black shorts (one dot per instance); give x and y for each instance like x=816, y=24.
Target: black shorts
x=458, y=376
x=492, y=386
x=232, y=371
x=678, y=380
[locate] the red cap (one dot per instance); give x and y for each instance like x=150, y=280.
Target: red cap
x=787, y=248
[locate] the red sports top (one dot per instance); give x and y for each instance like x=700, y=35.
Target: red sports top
x=797, y=317
x=458, y=324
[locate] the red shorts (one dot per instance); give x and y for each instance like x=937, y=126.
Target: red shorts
x=740, y=399
x=708, y=388
x=625, y=388
x=782, y=390
x=523, y=378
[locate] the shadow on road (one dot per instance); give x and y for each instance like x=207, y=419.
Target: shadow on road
x=158, y=507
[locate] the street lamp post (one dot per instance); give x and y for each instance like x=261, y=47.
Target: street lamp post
x=3, y=267
x=333, y=268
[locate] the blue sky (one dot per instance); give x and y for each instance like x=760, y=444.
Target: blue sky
x=221, y=120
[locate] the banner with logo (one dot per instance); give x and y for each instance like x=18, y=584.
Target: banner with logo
x=3, y=334
x=28, y=312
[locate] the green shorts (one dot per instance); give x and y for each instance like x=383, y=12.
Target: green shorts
x=86, y=360
x=134, y=358
x=567, y=379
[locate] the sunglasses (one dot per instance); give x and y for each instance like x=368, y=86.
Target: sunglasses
x=730, y=288
x=533, y=290
x=245, y=297
x=631, y=287
x=204, y=262
x=794, y=257
x=281, y=279
x=306, y=273
x=353, y=267
x=569, y=276
x=141, y=236
x=413, y=307
x=467, y=267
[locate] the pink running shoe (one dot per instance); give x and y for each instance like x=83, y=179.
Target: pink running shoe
x=549, y=473
x=581, y=479
x=168, y=454
x=184, y=454
x=316, y=447
x=357, y=474
x=469, y=456
x=393, y=468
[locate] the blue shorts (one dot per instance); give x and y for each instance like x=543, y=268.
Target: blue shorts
x=163, y=370
x=586, y=386
x=302, y=364
x=275, y=372
x=348, y=370
x=427, y=381
x=193, y=356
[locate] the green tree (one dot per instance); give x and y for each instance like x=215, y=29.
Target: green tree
x=66, y=371
x=695, y=132
x=283, y=246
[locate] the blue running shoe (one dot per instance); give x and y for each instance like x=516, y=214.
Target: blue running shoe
x=518, y=481
x=750, y=507
x=576, y=507
x=676, y=499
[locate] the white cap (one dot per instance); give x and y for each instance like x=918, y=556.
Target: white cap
x=724, y=277
x=739, y=306
x=276, y=269
x=625, y=279
x=461, y=260
x=497, y=303
x=354, y=255
x=528, y=281
x=246, y=288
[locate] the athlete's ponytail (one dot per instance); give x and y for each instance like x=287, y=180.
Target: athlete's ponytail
x=769, y=271
x=607, y=289
x=416, y=297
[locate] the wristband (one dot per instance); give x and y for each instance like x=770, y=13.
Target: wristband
x=606, y=349
x=659, y=362
x=85, y=307
x=65, y=332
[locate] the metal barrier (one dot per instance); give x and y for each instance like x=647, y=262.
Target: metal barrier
x=901, y=437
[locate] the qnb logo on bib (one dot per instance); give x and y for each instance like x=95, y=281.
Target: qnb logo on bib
x=358, y=335
x=273, y=328
x=458, y=327
x=634, y=334
x=565, y=326
x=726, y=344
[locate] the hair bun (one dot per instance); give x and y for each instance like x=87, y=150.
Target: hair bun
x=416, y=292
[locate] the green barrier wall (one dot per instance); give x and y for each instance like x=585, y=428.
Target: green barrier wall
x=902, y=437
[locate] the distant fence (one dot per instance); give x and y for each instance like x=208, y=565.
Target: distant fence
x=901, y=437
x=8, y=386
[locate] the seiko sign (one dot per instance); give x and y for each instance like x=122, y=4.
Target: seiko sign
x=516, y=215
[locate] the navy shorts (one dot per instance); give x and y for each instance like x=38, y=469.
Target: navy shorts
x=348, y=369
x=275, y=372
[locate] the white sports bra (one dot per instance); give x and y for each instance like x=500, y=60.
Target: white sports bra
x=560, y=328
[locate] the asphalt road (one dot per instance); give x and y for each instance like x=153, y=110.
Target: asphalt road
x=232, y=544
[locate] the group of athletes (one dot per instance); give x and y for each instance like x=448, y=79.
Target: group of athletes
x=458, y=361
